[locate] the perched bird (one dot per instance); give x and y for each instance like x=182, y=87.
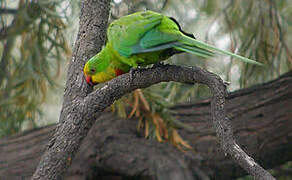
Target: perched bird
x=144, y=38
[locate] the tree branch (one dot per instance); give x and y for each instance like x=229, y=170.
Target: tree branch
x=80, y=109
x=90, y=38
x=83, y=113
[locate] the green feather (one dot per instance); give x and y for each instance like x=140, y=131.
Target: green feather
x=203, y=45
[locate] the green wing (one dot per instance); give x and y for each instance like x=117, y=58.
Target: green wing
x=154, y=40
x=149, y=31
x=128, y=30
x=167, y=36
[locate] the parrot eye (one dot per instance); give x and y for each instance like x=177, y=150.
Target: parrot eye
x=92, y=71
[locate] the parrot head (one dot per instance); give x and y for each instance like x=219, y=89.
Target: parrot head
x=89, y=71
x=98, y=70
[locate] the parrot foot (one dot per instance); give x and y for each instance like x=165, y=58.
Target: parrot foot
x=226, y=83
x=132, y=72
x=158, y=64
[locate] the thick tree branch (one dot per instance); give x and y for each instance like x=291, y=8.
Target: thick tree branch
x=90, y=38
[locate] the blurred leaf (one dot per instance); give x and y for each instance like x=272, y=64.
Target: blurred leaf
x=36, y=37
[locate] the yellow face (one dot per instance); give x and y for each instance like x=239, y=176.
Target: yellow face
x=93, y=77
x=103, y=76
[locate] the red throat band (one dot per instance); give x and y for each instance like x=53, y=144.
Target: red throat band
x=119, y=72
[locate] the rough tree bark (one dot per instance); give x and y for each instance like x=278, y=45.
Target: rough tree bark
x=81, y=107
x=90, y=38
x=261, y=116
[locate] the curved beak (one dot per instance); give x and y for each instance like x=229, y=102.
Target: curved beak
x=89, y=81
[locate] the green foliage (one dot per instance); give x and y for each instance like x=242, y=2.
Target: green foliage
x=33, y=47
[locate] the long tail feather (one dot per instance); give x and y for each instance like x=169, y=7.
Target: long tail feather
x=195, y=50
x=196, y=43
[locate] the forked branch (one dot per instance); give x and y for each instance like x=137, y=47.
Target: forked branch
x=84, y=112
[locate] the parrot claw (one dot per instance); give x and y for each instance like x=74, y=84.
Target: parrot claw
x=132, y=72
x=226, y=83
x=158, y=64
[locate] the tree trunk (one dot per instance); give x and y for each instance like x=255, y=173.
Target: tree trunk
x=261, y=117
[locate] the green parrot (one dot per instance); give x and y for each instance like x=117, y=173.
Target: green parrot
x=141, y=39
